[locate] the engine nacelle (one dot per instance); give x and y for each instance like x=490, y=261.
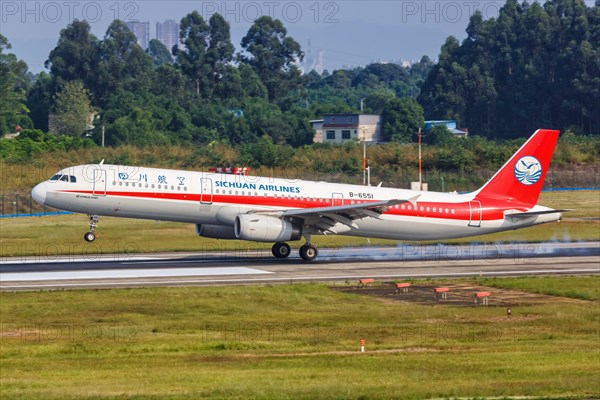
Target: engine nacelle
x=215, y=231
x=264, y=228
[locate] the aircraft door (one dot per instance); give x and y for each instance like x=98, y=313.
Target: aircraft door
x=206, y=191
x=337, y=199
x=99, y=182
x=475, y=218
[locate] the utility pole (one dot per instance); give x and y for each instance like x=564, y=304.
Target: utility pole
x=366, y=169
x=102, y=135
x=364, y=162
x=420, y=163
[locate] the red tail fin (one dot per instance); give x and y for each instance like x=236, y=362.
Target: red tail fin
x=522, y=177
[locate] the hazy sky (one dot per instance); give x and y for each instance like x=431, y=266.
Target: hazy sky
x=350, y=32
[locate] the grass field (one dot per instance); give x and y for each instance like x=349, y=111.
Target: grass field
x=294, y=342
x=48, y=236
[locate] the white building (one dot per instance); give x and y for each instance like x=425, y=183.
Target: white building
x=340, y=128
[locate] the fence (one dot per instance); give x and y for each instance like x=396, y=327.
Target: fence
x=20, y=202
x=23, y=205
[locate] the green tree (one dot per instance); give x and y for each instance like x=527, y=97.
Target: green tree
x=75, y=57
x=251, y=83
x=219, y=55
x=402, y=119
x=123, y=63
x=39, y=100
x=535, y=65
x=13, y=86
x=377, y=100
x=440, y=135
x=273, y=54
x=383, y=73
x=159, y=53
x=169, y=82
x=194, y=34
x=72, y=109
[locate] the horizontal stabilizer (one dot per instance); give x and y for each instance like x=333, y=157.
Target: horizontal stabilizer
x=523, y=215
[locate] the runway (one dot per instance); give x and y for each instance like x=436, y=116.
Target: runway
x=259, y=267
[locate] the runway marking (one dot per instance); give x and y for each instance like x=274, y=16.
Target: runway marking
x=126, y=274
x=67, y=259
x=309, y=278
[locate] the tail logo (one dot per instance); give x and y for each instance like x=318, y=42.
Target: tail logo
x=528, y=170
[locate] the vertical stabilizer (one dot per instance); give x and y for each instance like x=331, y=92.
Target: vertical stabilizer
x=522, y=177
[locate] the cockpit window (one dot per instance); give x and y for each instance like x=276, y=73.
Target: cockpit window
x=64, y=178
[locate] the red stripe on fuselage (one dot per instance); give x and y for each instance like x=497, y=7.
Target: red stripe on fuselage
x=462, y=211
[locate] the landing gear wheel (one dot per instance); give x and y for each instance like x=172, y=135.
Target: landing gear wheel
x=89, y=236
x=281, y=250
x=308, y=252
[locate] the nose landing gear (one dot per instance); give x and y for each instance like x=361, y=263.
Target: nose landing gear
x=91, y=236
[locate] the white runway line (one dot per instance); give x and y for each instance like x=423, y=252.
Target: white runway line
x=69, y=259
x=126, y=274
x=306, y=279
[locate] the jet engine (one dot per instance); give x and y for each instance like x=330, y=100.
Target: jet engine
x=264, y=228
x=215, y=231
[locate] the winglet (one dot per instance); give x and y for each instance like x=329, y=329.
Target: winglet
x=411, y=200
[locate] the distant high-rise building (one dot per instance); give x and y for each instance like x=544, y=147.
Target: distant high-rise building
x=313, y=61
x=141, y=30
x=320, y=64
x=168, y=33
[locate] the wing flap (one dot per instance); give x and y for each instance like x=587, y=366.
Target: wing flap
x=325, y=218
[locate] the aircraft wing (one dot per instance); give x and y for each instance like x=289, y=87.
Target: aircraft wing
x=324, y=218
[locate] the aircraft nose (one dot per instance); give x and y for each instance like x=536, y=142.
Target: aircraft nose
x=39, y=193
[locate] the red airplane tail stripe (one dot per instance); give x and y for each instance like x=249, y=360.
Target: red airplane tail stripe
x=520, y=180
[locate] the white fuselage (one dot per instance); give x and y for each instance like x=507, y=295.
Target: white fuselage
x=217, y=199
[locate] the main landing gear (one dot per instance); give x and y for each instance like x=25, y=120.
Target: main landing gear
x=91, y=236
x=308, y=252
x=281, y=250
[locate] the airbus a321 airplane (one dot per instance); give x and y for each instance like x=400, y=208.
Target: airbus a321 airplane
x=265, y=209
